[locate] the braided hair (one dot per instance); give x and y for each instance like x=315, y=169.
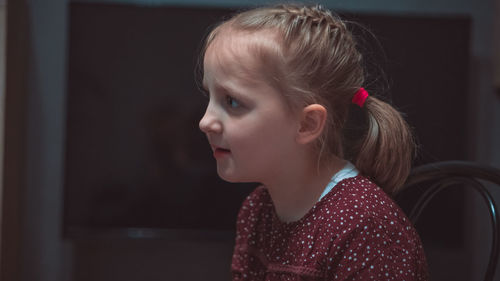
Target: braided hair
x=315, y=59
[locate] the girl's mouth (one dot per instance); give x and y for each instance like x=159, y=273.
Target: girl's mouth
x=221, y=152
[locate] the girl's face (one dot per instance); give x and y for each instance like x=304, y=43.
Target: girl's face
x=247, y=122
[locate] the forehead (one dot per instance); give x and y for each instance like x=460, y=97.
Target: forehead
x=243, y=54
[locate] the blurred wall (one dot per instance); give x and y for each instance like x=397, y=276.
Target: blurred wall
x=32, y=248
x=496, y=57
x=34, y=225
x=3, y=27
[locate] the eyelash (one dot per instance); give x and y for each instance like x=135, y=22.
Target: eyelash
x=229, y=100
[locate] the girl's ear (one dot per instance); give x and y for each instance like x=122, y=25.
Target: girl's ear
x=312, y=123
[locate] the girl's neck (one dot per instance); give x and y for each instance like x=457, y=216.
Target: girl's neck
x=296, y=192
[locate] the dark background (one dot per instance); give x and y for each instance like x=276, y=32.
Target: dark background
x=37, y=246
x=135, y=157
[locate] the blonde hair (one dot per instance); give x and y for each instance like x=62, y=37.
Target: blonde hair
x=316, y=60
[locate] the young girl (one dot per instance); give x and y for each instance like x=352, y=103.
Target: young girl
x=284, y=83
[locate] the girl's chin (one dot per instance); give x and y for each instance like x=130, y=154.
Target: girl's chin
x=231, y=177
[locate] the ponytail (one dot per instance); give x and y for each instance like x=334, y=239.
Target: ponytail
x=386, y=152
x=323, y=65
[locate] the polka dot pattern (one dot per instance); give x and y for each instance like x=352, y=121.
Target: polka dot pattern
x=355, y=232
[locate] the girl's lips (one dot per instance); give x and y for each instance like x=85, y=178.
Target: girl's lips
x=221, y=152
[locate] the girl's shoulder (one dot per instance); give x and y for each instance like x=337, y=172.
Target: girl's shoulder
x=358, y=200
x=358, y=189
x=362, y=215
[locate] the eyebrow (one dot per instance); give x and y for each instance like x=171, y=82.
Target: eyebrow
x=227, y=90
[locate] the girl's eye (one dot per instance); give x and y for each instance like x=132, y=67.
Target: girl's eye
x=233, y=103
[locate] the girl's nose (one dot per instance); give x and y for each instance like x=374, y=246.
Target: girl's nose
x=209, y=123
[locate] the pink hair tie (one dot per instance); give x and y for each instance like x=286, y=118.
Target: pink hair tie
x=360, y=97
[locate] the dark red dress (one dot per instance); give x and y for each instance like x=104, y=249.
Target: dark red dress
x=355, y=232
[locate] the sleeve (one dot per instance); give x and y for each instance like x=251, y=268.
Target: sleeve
x=246, y=217
x=376, y=251
x=245, y=224
x=238, y=258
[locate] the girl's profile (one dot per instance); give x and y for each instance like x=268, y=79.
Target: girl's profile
x=282, y=83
